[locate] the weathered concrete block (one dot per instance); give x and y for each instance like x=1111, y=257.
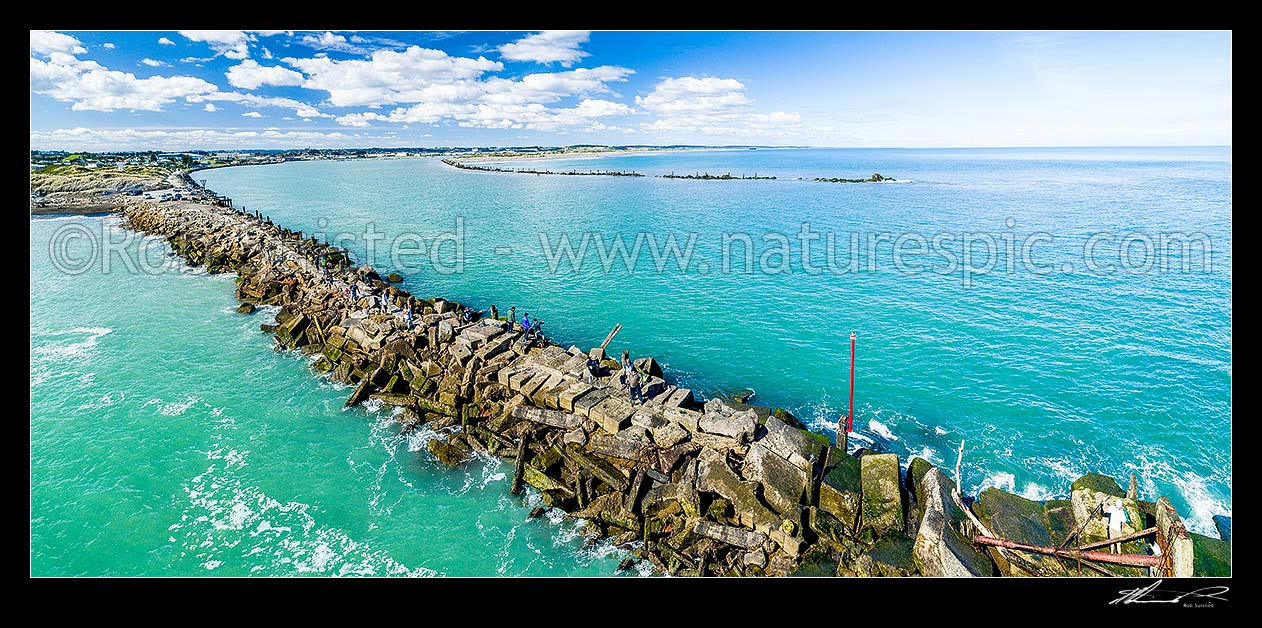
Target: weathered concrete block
x=584, y=404
x=739, y=428
x=614, y=446
x=841, y=491
x=551, y=418
x=567, y=397
x=713, y=475
x=668, y=435
x=940, y=550
x=1018, y=519
x=612, y=414
x=797, y=446
x=739, y=537
x=688, y=419
x=782, y=482
x=882, y=497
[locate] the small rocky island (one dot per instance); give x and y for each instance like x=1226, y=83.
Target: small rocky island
x=875, y=178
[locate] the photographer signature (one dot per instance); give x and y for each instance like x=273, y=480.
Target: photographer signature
x=1150, y=595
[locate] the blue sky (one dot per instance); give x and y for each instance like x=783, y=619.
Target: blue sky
x=285, y=89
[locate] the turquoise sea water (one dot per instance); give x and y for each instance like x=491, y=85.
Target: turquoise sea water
x=168, y=438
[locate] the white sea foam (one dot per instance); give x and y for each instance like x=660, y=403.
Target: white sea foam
x=1001, y=480
x=173, y=408
x=69, y=351
x=881, y=430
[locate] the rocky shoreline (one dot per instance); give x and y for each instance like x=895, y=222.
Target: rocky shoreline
x=697, y=489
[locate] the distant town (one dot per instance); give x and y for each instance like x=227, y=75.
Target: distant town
x=201, y=159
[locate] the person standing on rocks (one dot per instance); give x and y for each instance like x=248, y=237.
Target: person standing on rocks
x=512, y=317
x=525, y=322
x=1115, y=516
x=631, y=381
x=407, y=316
x=593, y=367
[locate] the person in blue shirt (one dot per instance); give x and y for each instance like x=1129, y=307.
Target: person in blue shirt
x=407, y=315
x=525, y=321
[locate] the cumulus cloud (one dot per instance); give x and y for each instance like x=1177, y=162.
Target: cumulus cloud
x=210, y=106
x=332, y=41
x=152, y=63
x=165, y=41
x=548, y=47
x=710, y=106
x=250, y=75
x=252, y=114
x=48, y=42
x=694, y=95
x=93, y=87
x=108, y=45
x=256, y=101
x=388, y=77
x=81, y=138
x=500, y=103
x=231, y=44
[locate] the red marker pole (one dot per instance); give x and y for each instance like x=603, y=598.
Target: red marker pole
x=850, y=417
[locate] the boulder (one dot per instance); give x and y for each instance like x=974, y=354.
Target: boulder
x=1016, y=518
x=890, y=557
x=817, y=563
x=782, y=482
x=1223, y=524
x=740, y=537
x=882, y=494
x=1098, y=483
x=1210, y=556
x=940, y=549
x=1182, y=550
x=246, y=308
x=841, y=492
x=449, y=452
x=668, y=435
x=739, y=428
x=799, y=447
x=713, y=475
x=550, y=418
x=394, y=278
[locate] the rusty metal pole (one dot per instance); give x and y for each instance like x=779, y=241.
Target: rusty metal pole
x=1131, y=560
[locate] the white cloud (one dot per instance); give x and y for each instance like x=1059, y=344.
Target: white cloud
x=210, y=106
x=694, y=95
x=252, y=114
x=165, y=41
x=152, y=63
x=47, y=42
x=389, y=77
x=250, y=75
x=548, y=47
x=711, y=107
x=331, y=41
x=81, y=138
x=231, y=44
x=92, y=87
x=108, y=46
x=256, y=101
x=550, y=87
